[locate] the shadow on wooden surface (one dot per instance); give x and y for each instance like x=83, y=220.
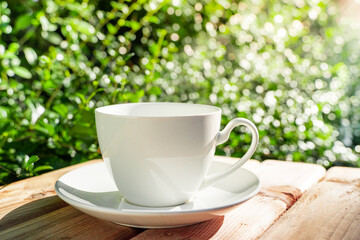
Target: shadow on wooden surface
x=31, y=210
x=50, y=217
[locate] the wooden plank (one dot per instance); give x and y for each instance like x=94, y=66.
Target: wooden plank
x=272, y=175
x=67, y=223
x=247, y=221
x=283, y=184
x=241, y=223
x=25, y=191
x=329, y=210
x=29, y=209
x=29, y=206
x=343, y=174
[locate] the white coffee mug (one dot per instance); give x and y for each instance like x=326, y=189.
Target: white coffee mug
x=159, y=153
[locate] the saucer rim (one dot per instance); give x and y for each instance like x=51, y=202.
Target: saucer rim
x=152, y=210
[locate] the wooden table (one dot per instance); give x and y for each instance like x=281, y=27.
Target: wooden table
x=297, y=201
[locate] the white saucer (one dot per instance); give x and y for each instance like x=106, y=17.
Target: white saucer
x=91, y=190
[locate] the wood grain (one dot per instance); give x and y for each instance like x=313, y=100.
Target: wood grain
x=25, y=191
x=29, y=209
x=241, y=223
x=67, y=223
x=29, y=206
x=283, y=184
x=329, y=210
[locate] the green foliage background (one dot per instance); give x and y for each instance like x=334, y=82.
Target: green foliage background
x=292, y=67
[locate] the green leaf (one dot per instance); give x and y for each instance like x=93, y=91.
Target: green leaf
x=31, y=161
x=75, y=7
x=43, y=168
x=81, y=96
x=131, y=24
x=297, y=156
x=84, y=117
x=44, y=59
x=61, y=109
x=134, y=25
x=121, y=22
x=81, y=131
x=128, y=56
x=93, y=94
x=13, y=47
x=46, y=25
x=155, y=90
x=22, y=22
x=154, y=19
x=111, y=28
x=83, y=27
x=153, y=48
x=9, y=55
x=30, y=55
x=161, y=32
x=22, y=72
x=86, y=28
x=118, y=6
x=54, y=38
x=45, y=128
x=140, y=93
x=3, y=177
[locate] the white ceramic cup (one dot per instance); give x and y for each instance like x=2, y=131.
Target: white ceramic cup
x=159, y=153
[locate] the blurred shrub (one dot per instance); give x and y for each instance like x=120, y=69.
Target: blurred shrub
x=286, y=65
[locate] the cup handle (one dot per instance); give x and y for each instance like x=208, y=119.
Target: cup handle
x=222, y=137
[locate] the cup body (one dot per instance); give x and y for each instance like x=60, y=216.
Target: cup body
x=158, y=153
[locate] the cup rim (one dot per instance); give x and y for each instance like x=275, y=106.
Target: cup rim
x=212, y=110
